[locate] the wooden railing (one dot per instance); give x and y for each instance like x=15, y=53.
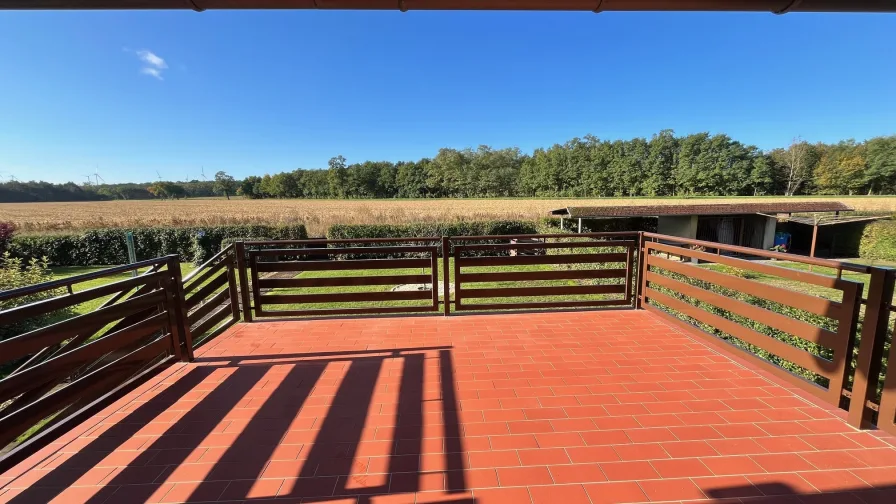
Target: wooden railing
x=801, y=326
x=211, y=297
x=825, y=334
x=64, y=367
x=585, y=271
x=321, y=258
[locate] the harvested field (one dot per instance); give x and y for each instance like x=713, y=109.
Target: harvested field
x=318, y=215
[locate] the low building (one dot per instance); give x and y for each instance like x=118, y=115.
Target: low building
x=743, y=224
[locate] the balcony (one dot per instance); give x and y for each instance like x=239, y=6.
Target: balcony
x=613, y=405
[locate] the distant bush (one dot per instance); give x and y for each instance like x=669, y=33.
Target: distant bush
x=108, y=246
x=879, y=241
x=431, y=229
x=16, y=273
x=7, y=230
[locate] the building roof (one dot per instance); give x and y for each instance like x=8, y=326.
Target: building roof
x=776, y=6
x=711, y=209
x=828, y=220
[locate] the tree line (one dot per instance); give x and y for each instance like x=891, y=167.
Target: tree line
x=700, y=164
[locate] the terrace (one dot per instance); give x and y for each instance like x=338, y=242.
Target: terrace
x=643, y=376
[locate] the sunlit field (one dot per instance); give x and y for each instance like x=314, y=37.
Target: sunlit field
x=318, y=215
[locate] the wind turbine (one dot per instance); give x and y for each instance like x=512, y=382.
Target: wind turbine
x=159, y=175
x=88, y=179
x=203, y=174
x=96, y=174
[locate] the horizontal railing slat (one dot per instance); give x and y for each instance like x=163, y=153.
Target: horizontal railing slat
x=530, y=276
x=328, y=312
x=606, y=234
x=536, y=260
x=206, y=290
x=806, y=331
x=354, y=264
x=768, y=254
x=278, y=283
x=345, y=297
x=207, y=307
x=60, y=366
x=543, y=305
x=767, y=269
x=407, y=249
x=198, y=280
x=539, y=246
x=33, y=341
x=74, y=280
x=224, y=256
x=785, y=374
x=799, y=300
x=65, y=301
x=214, y=319
x=105, y=378
x=561, y=290
x=813, y=363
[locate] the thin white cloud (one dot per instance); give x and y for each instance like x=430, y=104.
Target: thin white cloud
x=153, y=64
x=155, y=72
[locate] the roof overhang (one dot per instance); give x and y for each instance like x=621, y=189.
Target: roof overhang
x=711, y=209
x=776, y=6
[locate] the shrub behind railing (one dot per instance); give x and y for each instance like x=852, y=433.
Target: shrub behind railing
x=108, y=246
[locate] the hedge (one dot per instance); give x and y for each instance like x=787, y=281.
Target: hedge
x=108, y=246
x=879, y=241
x=431, y=229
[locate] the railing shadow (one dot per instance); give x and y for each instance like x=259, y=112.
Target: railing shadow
x=781, y=493
x=332, y=464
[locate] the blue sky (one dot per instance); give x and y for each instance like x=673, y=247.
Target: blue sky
x=268, y=91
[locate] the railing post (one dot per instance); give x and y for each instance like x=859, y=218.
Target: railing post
x=642, y=271
x=871, y=347
x=240, y=249
x=180, y=310
x=231, y=287
x=446, y=287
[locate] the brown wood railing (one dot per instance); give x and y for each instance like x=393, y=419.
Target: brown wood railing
x=211, y=298
x=597, y=271
x=65, y=367
x=760, y=317
x=264, y=260
x=825, y=334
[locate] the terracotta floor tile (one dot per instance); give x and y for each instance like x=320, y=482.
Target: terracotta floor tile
x=544, y=456
x=615, y=492
x=502, y=496
x=652, y=451
x=524, y=476
x=837, y=480
x=732, y=465
x=727, y=487
x=782, y=462
x=671, y=490
x=833, y=460
x=551, y=403
x=781, y=484
x=567, y=494
x=680, y=468
x=577, y=473
x=628, y=471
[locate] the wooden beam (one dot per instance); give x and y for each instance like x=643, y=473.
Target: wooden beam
x=776, y=6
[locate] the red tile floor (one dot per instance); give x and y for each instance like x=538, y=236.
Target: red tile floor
x=594, y=407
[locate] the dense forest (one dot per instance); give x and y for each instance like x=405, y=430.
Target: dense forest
x=665, y=165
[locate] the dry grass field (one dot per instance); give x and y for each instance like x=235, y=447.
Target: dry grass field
x=318, y=215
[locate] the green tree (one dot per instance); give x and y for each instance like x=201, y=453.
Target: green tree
x=225, y=184
x=880, y=174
